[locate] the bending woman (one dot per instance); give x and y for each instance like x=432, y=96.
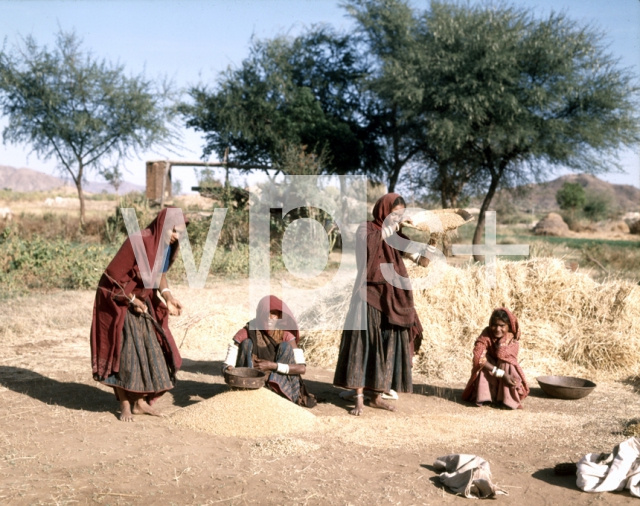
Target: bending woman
x=379, y=358
x=132, y=349
x=496, y=375
x=273, y=350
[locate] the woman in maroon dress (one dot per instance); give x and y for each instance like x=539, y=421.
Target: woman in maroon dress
x=383, y=330
x=496, y=376
x=132, y=349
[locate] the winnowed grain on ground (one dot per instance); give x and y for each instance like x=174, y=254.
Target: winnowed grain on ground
x=246, y=413
x=282, y=447
x=570, y=323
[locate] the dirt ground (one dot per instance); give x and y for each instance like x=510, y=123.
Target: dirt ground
x=61, y=441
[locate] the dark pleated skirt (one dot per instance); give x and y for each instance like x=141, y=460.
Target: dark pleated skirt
x=143, y=368
x=378, y=358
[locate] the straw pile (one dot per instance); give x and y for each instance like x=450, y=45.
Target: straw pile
x=250, y=413
x=552, y=224
x=440, y=221
x=570, y=323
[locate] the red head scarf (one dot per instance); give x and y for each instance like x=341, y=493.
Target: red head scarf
x=513, y=322
x=272, y=303
x=121, y=280
x=383, y=208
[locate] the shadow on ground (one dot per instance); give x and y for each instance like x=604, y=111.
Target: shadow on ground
x=548, y=475
x=77, y=396
x=447, y=393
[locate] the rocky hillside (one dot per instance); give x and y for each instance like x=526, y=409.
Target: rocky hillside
x=28, y=180
x=542, y=197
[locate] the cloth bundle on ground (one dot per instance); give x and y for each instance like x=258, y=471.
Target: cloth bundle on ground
x=467, y=475
x=598, y=472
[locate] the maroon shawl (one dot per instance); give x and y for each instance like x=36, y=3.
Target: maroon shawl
x=371, y=251
x=272, y=303
x=486, y=345
x=121, y=280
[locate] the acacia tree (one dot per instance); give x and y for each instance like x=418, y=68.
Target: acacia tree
x=77, y=109
x=513, y=96
x=288, y=92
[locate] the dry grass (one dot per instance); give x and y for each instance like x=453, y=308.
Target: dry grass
x=570, y=323
x=250, y=413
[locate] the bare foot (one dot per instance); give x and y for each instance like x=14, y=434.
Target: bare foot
x=377, y=402
x=125, y=411
x=359, y=407
x=142, y=408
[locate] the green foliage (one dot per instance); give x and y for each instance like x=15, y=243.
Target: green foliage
x=41, y=263
x=571, y=196
x=115, y=231
x=304, y=91
x=597, y=207
x=79, y=110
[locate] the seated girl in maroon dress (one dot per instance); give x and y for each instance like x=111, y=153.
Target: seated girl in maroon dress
x=269, y=343
x=496, y=375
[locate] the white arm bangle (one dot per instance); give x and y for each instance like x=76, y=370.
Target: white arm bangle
x=232, y=355
x=133, y=297
x=499, y=373
x=431, y=249
x=415, y=257
x=165, y=290
x=298, y=356
x=282, y=368
x=493, y=373
x=389, y=231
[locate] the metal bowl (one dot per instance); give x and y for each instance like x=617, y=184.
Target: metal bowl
x=244, y=377
x=566, y=387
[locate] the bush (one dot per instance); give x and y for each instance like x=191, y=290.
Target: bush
x=44, y=263
x=597, y=207
x=571, y=196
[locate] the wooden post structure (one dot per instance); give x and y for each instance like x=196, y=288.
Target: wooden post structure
x=159, y=176
x=158, y=182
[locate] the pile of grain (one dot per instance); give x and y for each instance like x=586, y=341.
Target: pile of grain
x=250, y=413
x=552, y=224
x=282, y=447
x=570, y=323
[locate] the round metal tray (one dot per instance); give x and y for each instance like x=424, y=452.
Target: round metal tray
x=244, y=377
x=566, y=387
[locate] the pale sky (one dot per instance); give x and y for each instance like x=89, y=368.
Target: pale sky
x=192, y=41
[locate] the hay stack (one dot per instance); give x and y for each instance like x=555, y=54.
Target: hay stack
x=440, y=221
x=570, y=323
x=249, y=413
x=618, y=226
x=552, y=224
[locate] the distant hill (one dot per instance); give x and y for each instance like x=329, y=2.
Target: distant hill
x=29, y=180
x=542, y=197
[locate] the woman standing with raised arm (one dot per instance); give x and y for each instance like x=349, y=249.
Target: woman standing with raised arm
x=378, y=355
x=132, y=349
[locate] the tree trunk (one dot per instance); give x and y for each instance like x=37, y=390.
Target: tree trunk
x=477, y=236
x=393, y=177
x=78, y=181
x=81, y=198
